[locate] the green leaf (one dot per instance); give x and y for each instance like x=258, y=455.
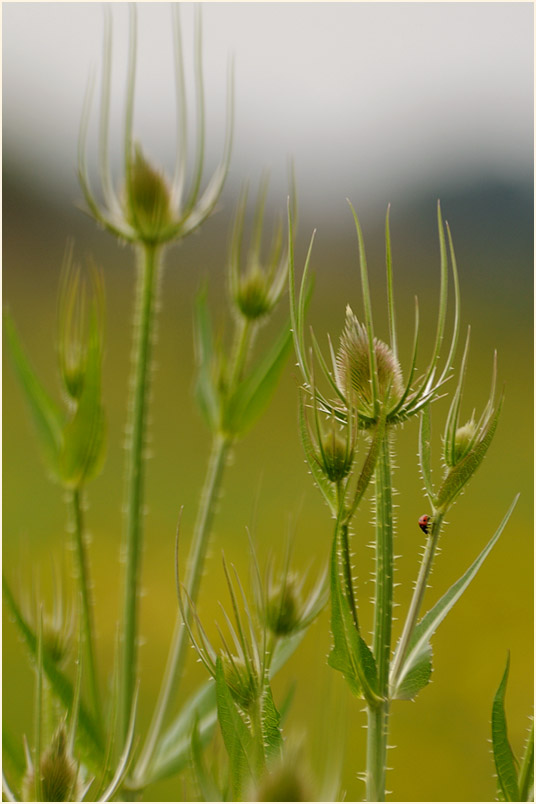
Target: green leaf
x=502, y=753
x=84, y=435
x=526, y=772
x=419, y=648
x=254, y=392
x=350, y=653
x=369, y=464
x=205, y=391
x=236, y=735
x=424, y=451
x=417, y=678
x=270, y=719
x=207, y=786
x=459, y=475
x=173, y=749
x=46, y=414
x=61, y=685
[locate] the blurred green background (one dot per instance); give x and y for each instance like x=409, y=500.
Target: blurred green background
x=442, y=750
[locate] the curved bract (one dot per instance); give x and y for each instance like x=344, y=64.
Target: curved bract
x=147, y=207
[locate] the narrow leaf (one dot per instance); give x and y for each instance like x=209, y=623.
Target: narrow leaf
x=502, y=752
x=459, y=475
x=61, y=685
x=270, y=720
x=424, y=451
x=325, y=486
x=419, y=646
x=526, y=772
x=236, y=736
x=207, y=786
x=417, y=678
x=350, y=653
x=45, y=413
x=255, y=391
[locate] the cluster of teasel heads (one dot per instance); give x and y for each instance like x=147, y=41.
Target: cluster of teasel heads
x=368, y=393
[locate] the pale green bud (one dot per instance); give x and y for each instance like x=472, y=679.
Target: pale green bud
x=462, y=440
x=148, y=200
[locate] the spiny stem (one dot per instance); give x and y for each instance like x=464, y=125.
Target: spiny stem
x=221, y=444
x=138, y=402
x=196, y=560
x=418, y=595
x=377, y=728
x=74, y=502
x=384, y=566
x=378, y=717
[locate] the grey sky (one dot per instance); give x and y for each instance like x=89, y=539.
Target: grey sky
x=362, y=95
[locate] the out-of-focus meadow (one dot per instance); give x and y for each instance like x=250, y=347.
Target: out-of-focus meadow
x=442, y=749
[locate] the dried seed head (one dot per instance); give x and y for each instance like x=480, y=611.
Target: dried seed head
x=352, y=367
x=148, y=199
x=59, y=773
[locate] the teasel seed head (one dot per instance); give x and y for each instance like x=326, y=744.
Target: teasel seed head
x=352, y=367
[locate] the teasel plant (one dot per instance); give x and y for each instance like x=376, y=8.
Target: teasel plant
x=367, y=399
x=68, y=760
x=256, y=645
x=234, y=383
x=72, y=435
x=149, y=212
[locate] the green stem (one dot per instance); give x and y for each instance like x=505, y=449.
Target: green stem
x=221, y=445
x=138, y=406
x=243, y=340
x=196, y=561
x=378, y=717
x=417, y=599
x=74, y=502
x=377, y=729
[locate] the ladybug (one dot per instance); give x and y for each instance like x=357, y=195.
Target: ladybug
x=424, y=523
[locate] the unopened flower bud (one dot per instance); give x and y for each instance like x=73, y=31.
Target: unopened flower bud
x=240, y=680
x=462, y=440
x=283, y=608
x=353, y=366
x=253, y=294
x=148, y=199
x=335, y=457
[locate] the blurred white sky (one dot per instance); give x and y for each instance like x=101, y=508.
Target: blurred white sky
x=365, y=96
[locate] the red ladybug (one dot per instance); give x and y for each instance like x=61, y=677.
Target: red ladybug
x=424, y=523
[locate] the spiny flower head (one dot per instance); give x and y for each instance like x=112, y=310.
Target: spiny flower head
x=148, y=208
x=256, y=282
x=365, y=373
x=352, y=367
